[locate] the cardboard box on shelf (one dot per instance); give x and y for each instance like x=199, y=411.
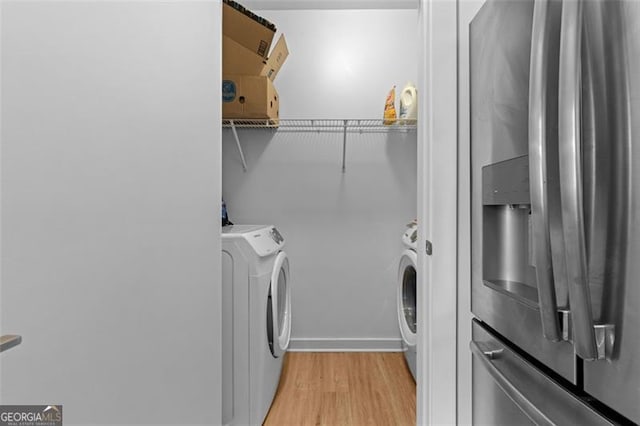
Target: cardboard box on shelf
x=236, y=59
x=252, y=32
x=249, y=97
x=248, y=67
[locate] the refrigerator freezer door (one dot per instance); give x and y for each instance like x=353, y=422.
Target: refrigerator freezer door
x=611, y=152
x=508, y=390
x=504, y=291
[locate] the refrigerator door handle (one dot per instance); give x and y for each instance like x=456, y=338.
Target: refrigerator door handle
x=538, y=172
x=570, y=155
x=529, y=408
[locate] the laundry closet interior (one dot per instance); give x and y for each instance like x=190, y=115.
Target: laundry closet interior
x=337, y=183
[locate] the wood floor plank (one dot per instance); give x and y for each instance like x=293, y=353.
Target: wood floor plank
x=344, y=389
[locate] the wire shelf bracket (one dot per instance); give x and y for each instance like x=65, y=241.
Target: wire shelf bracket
x=235, y=135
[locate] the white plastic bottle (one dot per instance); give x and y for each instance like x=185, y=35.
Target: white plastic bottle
x=408, y=104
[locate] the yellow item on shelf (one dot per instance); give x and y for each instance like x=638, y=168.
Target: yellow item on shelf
x=390, y=107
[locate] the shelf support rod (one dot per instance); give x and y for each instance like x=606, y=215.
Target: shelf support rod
x=235, y=135
x=344, y=145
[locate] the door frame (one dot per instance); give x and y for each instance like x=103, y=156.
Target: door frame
x=437, y=186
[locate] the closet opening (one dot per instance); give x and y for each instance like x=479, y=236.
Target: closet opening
x=319, y=162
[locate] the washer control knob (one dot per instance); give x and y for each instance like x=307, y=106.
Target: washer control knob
x=275, y=235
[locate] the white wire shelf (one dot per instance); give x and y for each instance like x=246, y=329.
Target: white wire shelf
x=323, y=125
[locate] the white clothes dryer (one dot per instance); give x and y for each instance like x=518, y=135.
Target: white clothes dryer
x=256, y=323
x=406, y=296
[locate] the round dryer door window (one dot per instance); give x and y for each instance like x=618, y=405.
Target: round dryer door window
x=279, y=307
x=407, y=314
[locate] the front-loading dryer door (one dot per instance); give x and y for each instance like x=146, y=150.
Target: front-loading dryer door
x=407, y=314
x=279, y=310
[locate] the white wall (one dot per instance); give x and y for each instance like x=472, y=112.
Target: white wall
x=342, y=63
x=342, y=231
x=110, y=209
x=467, y=9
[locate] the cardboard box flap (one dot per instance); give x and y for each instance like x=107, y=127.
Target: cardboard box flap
x=277, y=57
x=236, y=59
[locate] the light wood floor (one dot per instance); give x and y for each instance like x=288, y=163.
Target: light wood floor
x=344, y=388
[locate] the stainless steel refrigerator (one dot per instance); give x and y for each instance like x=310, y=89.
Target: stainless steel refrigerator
x=555, y=146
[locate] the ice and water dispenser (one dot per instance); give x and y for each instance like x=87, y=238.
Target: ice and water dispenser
x=506, y=230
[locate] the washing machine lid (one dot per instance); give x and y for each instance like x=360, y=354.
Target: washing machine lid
x=280, y=289
x=265, y=240
x=407, y=297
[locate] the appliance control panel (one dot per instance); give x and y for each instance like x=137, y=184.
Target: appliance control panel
x=410, y=236
x=276, y=236
x=265, y=241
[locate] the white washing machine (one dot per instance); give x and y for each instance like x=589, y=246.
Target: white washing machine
x=406, y=296
x=256, y=323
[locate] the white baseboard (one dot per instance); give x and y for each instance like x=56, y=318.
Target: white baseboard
x=345, y=345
